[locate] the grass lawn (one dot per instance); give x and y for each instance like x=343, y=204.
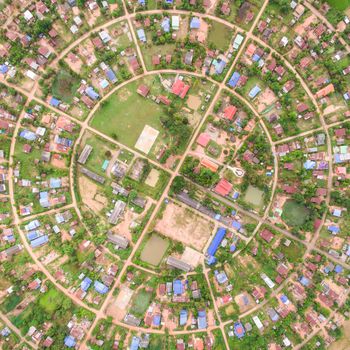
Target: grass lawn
x=340, y=5
x=51, y=301
x=98, y=154
x=219, y=35
x=294, y=214
x=64, y=86
x=149, y=51
x=10, y=303
x=125, y=114
x=140, y=303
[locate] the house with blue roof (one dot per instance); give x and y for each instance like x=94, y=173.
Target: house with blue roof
x=32, y=235
x=142, y=2
x=255, y=58
x=238, y=330
x=156, y=320
x=309, y=164
x=39, y=241
x=28, y=135
x=4, y=69
x=334, y=229
x=111, y=76
x=169, y=2
x=254, y=91
x=100, y=287
x=338, y=269
x=304, y=281
x=44, y=199
x=141, y=34
x=232, y=248
x=69, y=341
x=55, y=183
x=215, y=243
x=54, y=102
x=202, y=319
x=234, y=79
x=32, y=225
x=85, y=284
x=221, y=277
x=284, y=299
x=135, y=343
x=236, y=225
x=166, y=25
x=178, y=288
x=92, y=93
x=337, y=213
x=183, y=317
x=195, y=23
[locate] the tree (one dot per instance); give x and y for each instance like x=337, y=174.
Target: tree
x=178, y=184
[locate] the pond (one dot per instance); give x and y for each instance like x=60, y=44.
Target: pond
x=154, y=250
x=254, y=196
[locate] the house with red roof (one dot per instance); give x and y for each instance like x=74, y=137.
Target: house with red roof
x=266, y=235
x=223, y=188
x=180, y=89
x=229, y=112
x=203, y=139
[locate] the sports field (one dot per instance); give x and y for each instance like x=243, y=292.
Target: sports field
x=124, y=115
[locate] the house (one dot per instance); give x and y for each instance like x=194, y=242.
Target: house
x=234, y=79
x=266, y=235
x=183, y=317
x=229, y=112
x=143, y=90
x=215, y=243
x=238, y=330
x=238, y=41
x=141, y=35
x=195, y=23
x=254, y=91
x=117, y=212
x=206, y=163
x=223, y=188
x=203, y=139
x=100, y=287
x=85, y=154
x=328, y=89
x=202, y=319
x=117, y=240
x=179, y=264
x=288, y=86
x=179, y=88
x=175, y=22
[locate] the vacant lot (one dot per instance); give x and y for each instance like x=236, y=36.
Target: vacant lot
x=124, y=115
x=140, y=303
x=294, y=214
x=219, y=36
x=254, y=196
x=183, y=225
x=64, y=86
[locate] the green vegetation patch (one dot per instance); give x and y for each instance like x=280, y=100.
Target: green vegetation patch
x=219, y=36
x=64, y=86
x=340, y=5
x=10, y=303
x=140, y=303
x=295, y=214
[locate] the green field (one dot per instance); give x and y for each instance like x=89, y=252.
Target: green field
x=340, y=5
x=51, y=301
x=219, y=36
x=10, y=303
x=294, y=214
x=124, y=115
x=140, y=303
x=64, y=86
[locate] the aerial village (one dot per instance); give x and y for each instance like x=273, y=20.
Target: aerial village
x=174, y=174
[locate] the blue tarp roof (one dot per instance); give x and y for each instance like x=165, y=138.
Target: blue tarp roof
x=54, y=102
x=32, y=225
x=135, y=343
x=338, y=269
x=100, y=287
x=284, y=299
x=254, y=91
x=156, y=320
x=215, y=243
x=85, y=284
x=4, y=69
x=141, y=34
x=32, y=235
x=39, y=241
x=183, y=317
x=166, y=24
x=309, y=164
x=55, y=183
x=92, y=93
x=178, y=287
x=195, y=23
x=28, y=135
x=69, y=341
x=334, y=229
x=111, y=75
x=236, y=225
x=202, y=319
x=234, y=79
x=141, y=2
x=255, y=58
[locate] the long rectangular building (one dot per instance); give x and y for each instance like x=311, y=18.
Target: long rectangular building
x=118, y=240
x=179, y=264
x=117, y=212
x=92, y=175
x=84, y=154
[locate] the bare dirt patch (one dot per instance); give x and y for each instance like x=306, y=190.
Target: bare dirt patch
x=88, y=191
x=182, y=224
x=194, y=102
x=152, y=178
